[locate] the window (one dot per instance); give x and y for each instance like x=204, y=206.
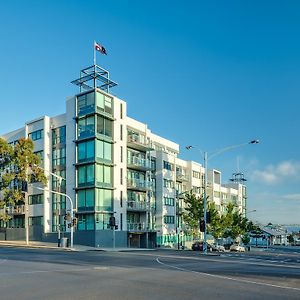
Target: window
x=121, y=111
x=36, y=135
x=86, y=104
x=104, y=200
x=121, y=132
x=104, y=126
x=86, y=222
x=121, y=150
x=121, y=199
x=86, y=127
x=196, y=189
x=36, y=199
x=59, y=135
x=86, y=175
x=86, y=151
x=168, y=166
x=102, y=221
x=104, y=174
x=104, y=103
x=35, y=221
x=169, y=219
x=168, y=184
x=86, y=199
x=59, y=157
x=169, y=201
x=103, y=150
x=196, y=174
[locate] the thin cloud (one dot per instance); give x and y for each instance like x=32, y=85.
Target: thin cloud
x=273, y=174
x=295, y=197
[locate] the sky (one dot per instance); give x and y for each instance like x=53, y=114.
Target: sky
x=204, y=73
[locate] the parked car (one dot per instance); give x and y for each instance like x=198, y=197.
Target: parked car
x=237, y=248
x=198, y=246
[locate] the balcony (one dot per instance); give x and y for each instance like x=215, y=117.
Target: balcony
x=17, y=210
x=138, y=163
x=136, y=142
x=139, y=185
x=138, y=206
x=140, y=227
x=181, y=177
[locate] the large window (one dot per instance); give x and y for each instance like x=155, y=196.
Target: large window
x=168, y=183
x=86, y=151
x=104, y=200
x=85, y=199
x=169, y=201
x=86, y=175
x=35, y=221
x=86, y=222
x=102, y=221
x=59, y=157
x=86, y=127
x=169, y=219
x=36, y=135
x=104, y=126
x=104, y=150
x=59, y=135
x=104, y=103
x=36, y=199
x=168, y=166
x=104, y=175
x=86, y=104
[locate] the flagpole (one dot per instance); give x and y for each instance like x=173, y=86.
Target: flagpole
x=94, y=52
x=95, y=83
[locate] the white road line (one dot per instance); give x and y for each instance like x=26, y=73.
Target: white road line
x=244, y=261
x=229, y=278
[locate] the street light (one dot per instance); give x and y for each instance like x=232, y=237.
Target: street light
x=205, y=158
x=60, y=178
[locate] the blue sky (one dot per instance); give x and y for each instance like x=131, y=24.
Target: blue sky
x=207, y=73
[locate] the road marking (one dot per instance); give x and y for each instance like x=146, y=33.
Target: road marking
x=229, y=278
x=243, y=261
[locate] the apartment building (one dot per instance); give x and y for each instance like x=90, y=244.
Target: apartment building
x=114, y=166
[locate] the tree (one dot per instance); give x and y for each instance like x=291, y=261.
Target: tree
x=216, y=226
x=193, y=212
x=18, y=167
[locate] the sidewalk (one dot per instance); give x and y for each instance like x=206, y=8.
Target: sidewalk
x=37, y=244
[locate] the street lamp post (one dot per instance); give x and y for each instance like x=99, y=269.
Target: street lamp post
x=71, y=207
x=205, y=159
x=60, y=178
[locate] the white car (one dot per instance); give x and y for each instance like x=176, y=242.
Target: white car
x=237, y=248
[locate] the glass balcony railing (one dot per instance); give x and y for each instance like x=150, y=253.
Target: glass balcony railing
x=138, y=205
x=139, y=162
x=140, y=226
x=139, y=141
x=139, y=184
x=181, y=177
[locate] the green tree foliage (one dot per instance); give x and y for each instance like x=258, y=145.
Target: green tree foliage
x=18, y=167
x=193, y=212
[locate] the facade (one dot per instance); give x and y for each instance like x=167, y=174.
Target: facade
x=114, y=166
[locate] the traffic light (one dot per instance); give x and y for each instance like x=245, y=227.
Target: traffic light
x=112, y=221
x=74, y=222
x=208, y=217
x=202, y=225
x=67, y=217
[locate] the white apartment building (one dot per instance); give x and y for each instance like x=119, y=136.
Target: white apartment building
x=114, y=166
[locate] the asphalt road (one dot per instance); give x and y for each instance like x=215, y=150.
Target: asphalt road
x=55, y=274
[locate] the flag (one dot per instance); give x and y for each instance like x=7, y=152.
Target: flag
x=100, y=48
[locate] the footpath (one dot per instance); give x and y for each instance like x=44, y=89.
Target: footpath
x=54, y=246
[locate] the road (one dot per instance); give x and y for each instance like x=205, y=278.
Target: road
x=54, y=274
